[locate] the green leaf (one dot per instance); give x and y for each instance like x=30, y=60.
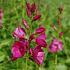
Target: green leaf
x=61, y=67
x=2, y=56
x=68, y=60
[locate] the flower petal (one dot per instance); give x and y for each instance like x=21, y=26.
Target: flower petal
x=19, y=32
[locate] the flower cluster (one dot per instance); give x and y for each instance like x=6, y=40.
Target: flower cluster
x=32, y=11
x=23, y=45
x=20, y=47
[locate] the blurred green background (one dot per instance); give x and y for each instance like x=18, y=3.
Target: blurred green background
x=14, y=10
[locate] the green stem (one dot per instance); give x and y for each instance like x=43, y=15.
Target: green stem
x=17, y=64
x=26, y=63
x=55, y=61
x=65, y=47
x=37, y=67
x=41, y=67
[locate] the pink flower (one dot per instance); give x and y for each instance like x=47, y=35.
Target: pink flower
x=25, y=42
x=39, y=30
x=16, y=52
x=41, y=39
x=19, y=32
x=41, y=42
x=38, y=55
x=42, y=36
x=55, y=46
x=19, y=48
x=36, y=17
x=25, y=23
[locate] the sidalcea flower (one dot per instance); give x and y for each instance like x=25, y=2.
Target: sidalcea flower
x=26, y=42
x=37, y=54
x=41, y=42
x=39, y=30
x=25, y=23
x=19, y=32
x=56, y=46
x=41, y=39
x=42, y=36
x=19, y=48
x=36, y=17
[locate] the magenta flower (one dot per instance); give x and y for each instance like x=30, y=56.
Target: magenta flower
x=19, y=48
x=41, y=39
x=37, y=54
x=25, y=42
x=19, y=32
x=36, y=17
x=39, y=30
x=42, y=36
x=56, y=46
x=16, y=52
x=41, y=42
x=25, y=23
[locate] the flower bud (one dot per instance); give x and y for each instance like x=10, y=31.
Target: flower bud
x=33, y=7
x=25, y=23
x=36, y=17
x=39, y=30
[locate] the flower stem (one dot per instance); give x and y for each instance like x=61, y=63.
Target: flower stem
x=55, y=61
x=37, y=67
x=26, y=63
x=26, y=60
x=41, y=67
